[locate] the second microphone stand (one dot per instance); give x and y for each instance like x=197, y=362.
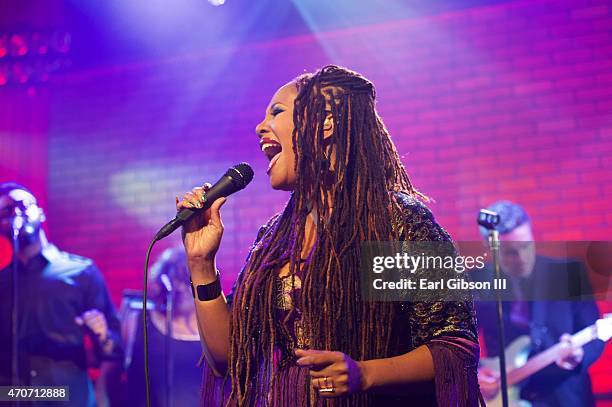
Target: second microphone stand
x=489, y=220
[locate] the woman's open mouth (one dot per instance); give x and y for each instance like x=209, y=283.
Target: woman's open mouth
x=272, y=150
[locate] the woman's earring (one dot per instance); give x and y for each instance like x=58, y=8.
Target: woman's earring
x=327, y=124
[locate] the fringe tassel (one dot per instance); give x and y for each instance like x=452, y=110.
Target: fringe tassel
x=455, y=366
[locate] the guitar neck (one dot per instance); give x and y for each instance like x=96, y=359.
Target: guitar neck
x=549, y=356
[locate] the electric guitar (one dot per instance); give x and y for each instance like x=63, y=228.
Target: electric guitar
x=520, y=367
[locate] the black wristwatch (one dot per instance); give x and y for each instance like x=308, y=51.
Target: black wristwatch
x=207, y=292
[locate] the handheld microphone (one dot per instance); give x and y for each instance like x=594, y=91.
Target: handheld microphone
x=235, y=179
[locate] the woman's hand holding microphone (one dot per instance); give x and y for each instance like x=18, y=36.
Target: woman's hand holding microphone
x=202, y=235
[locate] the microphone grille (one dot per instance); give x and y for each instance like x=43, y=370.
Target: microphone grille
x=242, y=174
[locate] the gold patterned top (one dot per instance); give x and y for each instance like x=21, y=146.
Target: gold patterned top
x=418, y=321
x=288, y=309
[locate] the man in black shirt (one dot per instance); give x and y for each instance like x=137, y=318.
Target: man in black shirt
x=61, y=299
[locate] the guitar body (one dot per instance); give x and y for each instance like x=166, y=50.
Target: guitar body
x=520, y=367
x=516, y=356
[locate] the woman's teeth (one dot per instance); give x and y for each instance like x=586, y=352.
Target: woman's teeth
x=264, y=146
x=271, y=149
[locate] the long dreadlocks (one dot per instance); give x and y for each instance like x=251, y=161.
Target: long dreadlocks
x=351, y=198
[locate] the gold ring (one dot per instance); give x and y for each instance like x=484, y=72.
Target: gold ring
x=326, y=388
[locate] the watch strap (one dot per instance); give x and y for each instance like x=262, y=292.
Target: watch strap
x=207, y=292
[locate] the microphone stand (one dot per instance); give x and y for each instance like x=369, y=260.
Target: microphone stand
x=168, y=339
x=489, y=220
x=16, y=226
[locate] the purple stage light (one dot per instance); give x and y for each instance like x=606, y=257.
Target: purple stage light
x=31, y=56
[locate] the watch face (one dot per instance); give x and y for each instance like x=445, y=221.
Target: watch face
x=207, y=292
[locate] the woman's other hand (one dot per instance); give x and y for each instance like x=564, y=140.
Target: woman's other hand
x=332, y=374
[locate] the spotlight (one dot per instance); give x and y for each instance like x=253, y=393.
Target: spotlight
x=18, y=45
x=217, y=2
x=31, y=57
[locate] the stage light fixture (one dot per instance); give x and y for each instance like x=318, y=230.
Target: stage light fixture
x=32, y=57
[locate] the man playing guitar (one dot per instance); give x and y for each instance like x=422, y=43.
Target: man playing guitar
x=546, y=323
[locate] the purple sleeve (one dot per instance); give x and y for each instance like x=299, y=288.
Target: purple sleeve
x=215, y=390
x=455, y=365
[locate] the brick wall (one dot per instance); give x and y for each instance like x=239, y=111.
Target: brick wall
x=510, y=101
